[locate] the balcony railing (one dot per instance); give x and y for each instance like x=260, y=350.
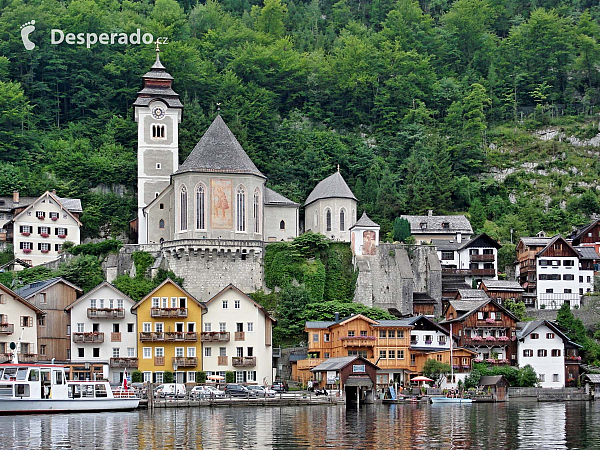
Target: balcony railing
x=223, y=361
x=159, y=360
x=88, y=338
x=368, y=341
x=7, y=328
x=309, y=363
x=181, y=336
x=152, y=336
x=28, y=357
x=482, y=258
x=124, y=362
x=214, y=336
x=243, y=361
x=240, y=336
x=105, y=313
x=168, y=312
x=470, y=272
x=115, y=337
x=488, y=341
x=185, y=361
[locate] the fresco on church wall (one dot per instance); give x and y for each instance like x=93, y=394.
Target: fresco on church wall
x=369, y=247
x=352, y=243
x=221, y=216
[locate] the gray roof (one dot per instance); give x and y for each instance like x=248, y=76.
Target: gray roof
x=535, y=241
x=456, y=224
x=466, y=307
x=273, y=198
x=526, y=328
x=333, y=186
x=503, y=285
x=72, y=204
x=489, y=380
x=314, y=324
x=578, y=233
x=587, y=253
x=334, y=363
x=365, y=221
x=593, y=377
x=30, y=289
x=219, y=151
x=446, y=244
x=406, y=322
x=472, y=294
x=154, y=90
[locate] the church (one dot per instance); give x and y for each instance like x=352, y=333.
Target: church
x=214, y=212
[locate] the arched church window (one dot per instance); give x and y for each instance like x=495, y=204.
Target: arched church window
x=200, y=207
x=183, y=202
x=241, y=209
x=282, y=225
x=161, y=223
x=158, y=131
x=342, y=219
x=328, y=219
x=316, y=219
x=256, y=211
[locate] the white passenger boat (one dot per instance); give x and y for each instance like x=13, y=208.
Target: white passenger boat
x=43, y=388
x=450, y=400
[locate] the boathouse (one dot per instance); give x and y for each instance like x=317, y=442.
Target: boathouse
x=496, y=386
x=355, y=375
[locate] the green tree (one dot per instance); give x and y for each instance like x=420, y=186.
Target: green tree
x=136, y=376
x=167, y=377
x=477, y=215
x=507, y=255
x=401, y=229
x=271, y=18
x=527, y=377
x=436, y=370
x=229, y=377
x=517, y=308
x=200, y=377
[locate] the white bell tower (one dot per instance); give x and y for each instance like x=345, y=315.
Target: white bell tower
x=158, y=112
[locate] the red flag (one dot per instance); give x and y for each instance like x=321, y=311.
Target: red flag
x=125, y=379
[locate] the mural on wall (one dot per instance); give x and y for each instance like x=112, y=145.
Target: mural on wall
x=352, y=243
x=221, y=216
x=369, y=247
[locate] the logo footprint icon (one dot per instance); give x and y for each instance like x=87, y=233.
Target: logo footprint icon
x=26, y=30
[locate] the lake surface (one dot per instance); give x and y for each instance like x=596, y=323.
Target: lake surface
x=480, y=426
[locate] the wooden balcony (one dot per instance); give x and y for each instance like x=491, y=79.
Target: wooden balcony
x=181, y=336
x=7, y=328
x=168, y=313
x=240, y=336
x=243, y=361
x=358, y=341
x=124, y=362
x=28, y=357
x=309, y=363
x=223, y=361
x=105, y=313
x=5, y=357
x=88, y=338
x=470, y=272
x=159, y=360
x=495, y=342
x=182, y=361
x=152, y=336
x=215, y=336
x=115, y=337
x=482, y=258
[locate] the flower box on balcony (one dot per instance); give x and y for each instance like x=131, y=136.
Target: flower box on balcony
x=55, y=218
x=503, y=339
x=62, y=236
x=478, y=360
x=490, y=338
x=477, y=338
x=44, y=235
x=45, y=251
x=490, y=320
x=26, y=250
x=25, y=233
x=40, y=217
x=490, y=360
x=428, y=342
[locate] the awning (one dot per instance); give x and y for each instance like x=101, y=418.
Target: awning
x=361, y=381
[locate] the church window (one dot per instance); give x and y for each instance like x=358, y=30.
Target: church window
x=161, y=206
x=241, y=209
x=328, y=219
x=184, y=201
x=342, y=219
x=256, y=211
x=158, y=166
x=282, y=225
x=316, y=218
x=200, y=208
x=161, y=223
x=158, y=132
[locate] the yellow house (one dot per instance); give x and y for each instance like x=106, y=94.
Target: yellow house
x=168, y=321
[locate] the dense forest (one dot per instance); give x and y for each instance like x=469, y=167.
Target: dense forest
x=431, y=104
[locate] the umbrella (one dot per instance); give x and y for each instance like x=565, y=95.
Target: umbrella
x=215, y=377
x=421, y=378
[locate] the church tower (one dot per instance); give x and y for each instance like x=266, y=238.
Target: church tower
x=158, y=112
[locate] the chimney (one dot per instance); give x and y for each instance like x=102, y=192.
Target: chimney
x=337, y=316
x=430, y=212
x=15, y=196
x=459, y=237
x=53, y=191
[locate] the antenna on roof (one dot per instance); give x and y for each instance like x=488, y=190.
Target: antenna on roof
x=338, y=167
x=218, y=109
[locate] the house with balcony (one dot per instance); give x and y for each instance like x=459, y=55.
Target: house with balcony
x=104, y=335
x=38, y=227
x=18, y=321
x=501, y=290
x=484, y=327
x=553, y=356
x=430, y=227
x=588, y=236
x=237, y=336
x=168, y=321
x=54, y=327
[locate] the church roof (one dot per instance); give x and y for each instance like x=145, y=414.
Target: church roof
x=219, y=151
x=158, y=86
x=365, y=221
x=273, y=198
x=333, y=186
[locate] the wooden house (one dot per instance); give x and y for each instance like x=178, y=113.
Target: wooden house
x=496, y=386
x=501, y=290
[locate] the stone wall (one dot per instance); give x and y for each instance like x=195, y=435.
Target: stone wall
x=589, y=313
x=547, y=394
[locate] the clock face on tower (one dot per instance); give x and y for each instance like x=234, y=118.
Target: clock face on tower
x=158, y=112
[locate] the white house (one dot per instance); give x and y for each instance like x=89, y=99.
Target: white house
x=40, y=229
x=19, y=320
x=104, y=332
x=541, y=345
x=237, y=336
x=426, y=228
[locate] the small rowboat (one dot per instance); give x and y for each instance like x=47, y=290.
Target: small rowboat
x=451, y=400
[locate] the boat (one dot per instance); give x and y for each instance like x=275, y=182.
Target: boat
x=44, y=388
x=451, y=400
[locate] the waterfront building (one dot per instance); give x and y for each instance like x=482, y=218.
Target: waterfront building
x=54, y=328
x=485, y=327
x=237, y=336
x=354, y=375
x=427, y=228
x=38, y=226
x=19, y=321
x=168, y=321
x=104, y=335
x=553, y=356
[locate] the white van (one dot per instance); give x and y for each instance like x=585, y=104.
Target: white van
x=172, y=390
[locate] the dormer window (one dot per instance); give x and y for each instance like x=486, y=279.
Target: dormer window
x=423, y=225
x=445, y=225
x=158, y=131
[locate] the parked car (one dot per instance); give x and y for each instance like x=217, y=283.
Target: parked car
x=269, y=392
x=171, y=390
x=237, y=390
x=199, y=392
x=216, y=392
x=278, y=386
x=262, y=391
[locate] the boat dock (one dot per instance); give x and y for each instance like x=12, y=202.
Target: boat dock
x=286, y=400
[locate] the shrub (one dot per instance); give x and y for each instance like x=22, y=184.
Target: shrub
x=200, y=377
x=229, y=377
x=167, y=377
x=136, y=376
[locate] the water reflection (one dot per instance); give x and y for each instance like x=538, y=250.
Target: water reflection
x=418, y=426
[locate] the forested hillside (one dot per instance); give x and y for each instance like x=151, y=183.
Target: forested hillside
x=425, y=105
